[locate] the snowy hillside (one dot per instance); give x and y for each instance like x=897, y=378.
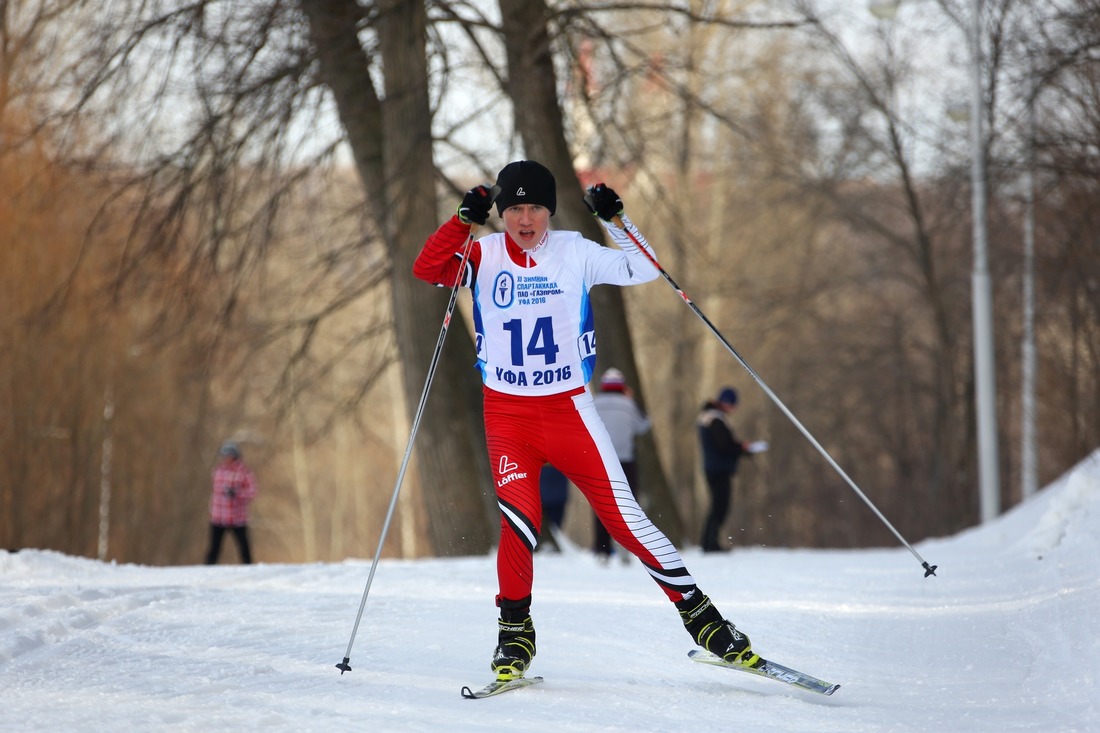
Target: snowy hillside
x=1006, y=638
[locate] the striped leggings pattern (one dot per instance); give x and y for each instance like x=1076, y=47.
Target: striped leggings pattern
x=526, y=432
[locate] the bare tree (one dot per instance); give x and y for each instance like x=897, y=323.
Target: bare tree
x=532, y=86
x=219, y=195
x=391, y=141
x=1059, y=78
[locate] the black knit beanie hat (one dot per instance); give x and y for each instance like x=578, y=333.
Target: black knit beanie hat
x=526, y=182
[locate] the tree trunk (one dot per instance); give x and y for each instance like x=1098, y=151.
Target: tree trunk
x=532, y=86
x=451, y=455
x=392, y=146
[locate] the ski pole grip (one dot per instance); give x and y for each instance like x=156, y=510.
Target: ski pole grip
x=493, y=193
x=589, y=200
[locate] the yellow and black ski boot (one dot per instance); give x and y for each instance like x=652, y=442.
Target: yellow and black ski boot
x=515, y=639
x=712, y=632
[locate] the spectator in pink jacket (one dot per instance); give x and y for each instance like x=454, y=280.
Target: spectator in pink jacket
x=234, y=487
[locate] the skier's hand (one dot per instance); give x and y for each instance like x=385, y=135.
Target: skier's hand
x=475, y=205
x=231, y=492
x=603, y=202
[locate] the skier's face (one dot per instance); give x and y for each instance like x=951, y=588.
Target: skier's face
x=526, y=224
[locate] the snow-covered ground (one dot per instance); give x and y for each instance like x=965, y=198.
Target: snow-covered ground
x=1006, y=638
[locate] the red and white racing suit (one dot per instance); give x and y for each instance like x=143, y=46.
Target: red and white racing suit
x=536, y=350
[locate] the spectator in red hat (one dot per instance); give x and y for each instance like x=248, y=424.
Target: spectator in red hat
x=624, y=421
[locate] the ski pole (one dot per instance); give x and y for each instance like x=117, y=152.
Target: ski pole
x=928, y=569
x=345, y=665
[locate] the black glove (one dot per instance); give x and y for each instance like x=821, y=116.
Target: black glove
x=476, y=205
x=603, y=202
x=231, y=492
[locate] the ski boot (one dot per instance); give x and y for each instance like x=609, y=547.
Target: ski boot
x=515, y=640
x=712, y=632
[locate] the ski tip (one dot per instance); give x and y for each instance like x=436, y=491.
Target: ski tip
x=499, y=686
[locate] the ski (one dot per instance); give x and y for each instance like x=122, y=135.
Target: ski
x=499, y=686
x=771, y=670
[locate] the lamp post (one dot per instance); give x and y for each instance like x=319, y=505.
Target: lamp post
x=1029, y=463
x=984, y=372
x=989, y=494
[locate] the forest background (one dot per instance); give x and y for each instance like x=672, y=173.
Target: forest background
x=209, y=211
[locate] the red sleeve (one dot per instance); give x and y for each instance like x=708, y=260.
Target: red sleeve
x=437, y=262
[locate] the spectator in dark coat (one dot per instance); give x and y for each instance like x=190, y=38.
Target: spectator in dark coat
x=554, y=487
x=554, y=490
x=721, y=453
